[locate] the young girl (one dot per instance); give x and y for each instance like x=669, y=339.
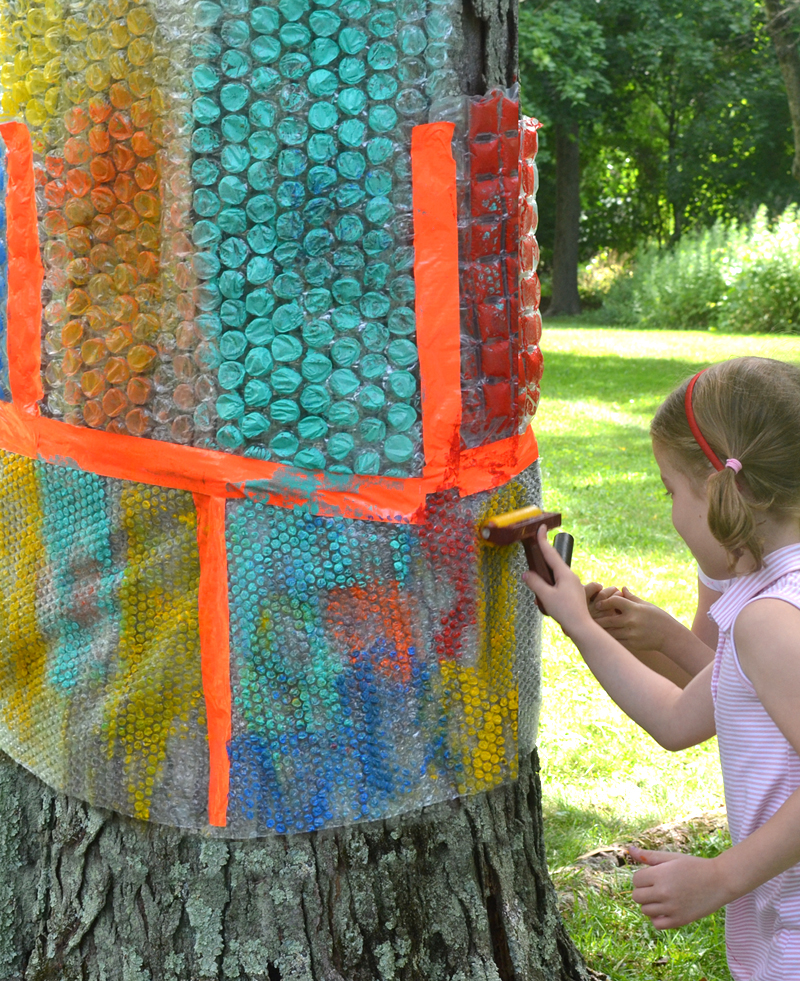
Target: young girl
x=727, y=446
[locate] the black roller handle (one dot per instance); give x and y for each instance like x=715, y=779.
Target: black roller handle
x=564, y=543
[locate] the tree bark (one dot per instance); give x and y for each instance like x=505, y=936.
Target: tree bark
x=565, y=298
x=489, y=30
x=459, y=891
x=786, y=40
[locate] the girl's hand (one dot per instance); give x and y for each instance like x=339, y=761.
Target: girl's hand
x=566, y=601
x=677, y=889
x=635, y=623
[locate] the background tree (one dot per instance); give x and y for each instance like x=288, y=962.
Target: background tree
x=782, y=24
x=562, y=71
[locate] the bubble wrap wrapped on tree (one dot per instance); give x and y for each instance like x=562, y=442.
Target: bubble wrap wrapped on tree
x=263, y=372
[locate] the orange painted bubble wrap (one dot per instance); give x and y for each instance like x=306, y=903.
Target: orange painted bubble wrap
x=268, y=357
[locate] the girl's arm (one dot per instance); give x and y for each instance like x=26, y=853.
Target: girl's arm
x=678, y=889
x=702, y=625
x=675, y=718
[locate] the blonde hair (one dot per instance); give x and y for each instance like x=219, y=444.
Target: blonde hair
x=748, y=409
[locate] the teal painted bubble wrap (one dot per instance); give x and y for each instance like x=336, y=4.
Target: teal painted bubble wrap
x=303, y=115
x=226, y=210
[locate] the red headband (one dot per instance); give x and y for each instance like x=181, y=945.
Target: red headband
x=701, y=440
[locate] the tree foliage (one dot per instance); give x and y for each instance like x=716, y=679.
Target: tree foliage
x=736, y=277
x=682, y=111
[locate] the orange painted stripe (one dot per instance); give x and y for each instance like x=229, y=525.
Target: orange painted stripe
x=215, y=649
x=224, y=475
x=495, y=464
x=25, y=272
x=437, y=292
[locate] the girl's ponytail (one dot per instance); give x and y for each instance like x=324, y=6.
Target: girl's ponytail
x=731, y=518
x=746, y=410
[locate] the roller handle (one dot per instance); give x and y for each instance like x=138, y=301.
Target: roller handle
x=536, y=562
x=563, y=543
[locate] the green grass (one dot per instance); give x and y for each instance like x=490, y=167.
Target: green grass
x=604, y=780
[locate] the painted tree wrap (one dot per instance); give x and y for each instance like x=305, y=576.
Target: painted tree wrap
x=270, y=359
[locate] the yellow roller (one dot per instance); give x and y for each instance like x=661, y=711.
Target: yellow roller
x=512, y=517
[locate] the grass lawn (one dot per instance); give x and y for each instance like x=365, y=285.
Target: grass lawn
x=604, y=780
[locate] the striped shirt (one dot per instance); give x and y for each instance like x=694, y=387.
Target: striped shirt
x=760, y=770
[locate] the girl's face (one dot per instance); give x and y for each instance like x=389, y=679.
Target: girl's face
x=690, y=516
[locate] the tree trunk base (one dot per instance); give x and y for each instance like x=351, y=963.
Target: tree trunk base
x=459, y=892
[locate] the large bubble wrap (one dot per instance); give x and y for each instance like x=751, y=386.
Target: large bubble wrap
x=263, y=374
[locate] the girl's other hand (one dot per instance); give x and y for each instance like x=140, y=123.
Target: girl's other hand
x=596, y=595
x=677, y=889
x=566, y=600
x=635, y=623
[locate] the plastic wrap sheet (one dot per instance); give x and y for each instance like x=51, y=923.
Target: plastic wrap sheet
x=241, y=475
x=5, y=385
x=500, y=360
x=530, y=365
x=490, y=269
x=100, y=681
x=374, y=668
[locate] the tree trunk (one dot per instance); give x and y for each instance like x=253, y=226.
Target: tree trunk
x=674, y=195
x=786, y=39
x=568, y=215
x=459, y=891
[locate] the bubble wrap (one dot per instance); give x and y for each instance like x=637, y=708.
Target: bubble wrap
x=5, y=390
x=100, y=687
x=497, y=184
x=375, y=667
x=279, y=617
x=228, y=218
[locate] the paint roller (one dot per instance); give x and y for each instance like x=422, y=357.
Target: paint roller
x=523, y=526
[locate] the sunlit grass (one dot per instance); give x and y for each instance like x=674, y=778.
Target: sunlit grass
x=603, y=779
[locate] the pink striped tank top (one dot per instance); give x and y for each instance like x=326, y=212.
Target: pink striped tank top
x=760, y=770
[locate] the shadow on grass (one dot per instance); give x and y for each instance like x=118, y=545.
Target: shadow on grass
x=611, y=378
x=572, y=831
x=599, y=911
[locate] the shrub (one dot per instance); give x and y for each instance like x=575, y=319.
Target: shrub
x=735, y=277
